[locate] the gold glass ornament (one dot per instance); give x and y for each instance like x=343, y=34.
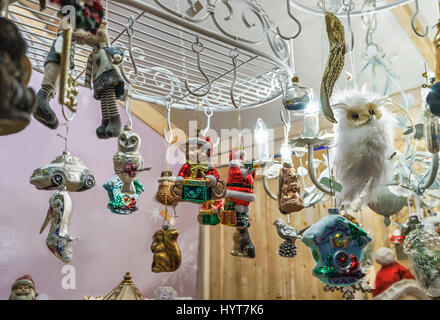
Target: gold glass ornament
x=163, y=194
x=166, y=252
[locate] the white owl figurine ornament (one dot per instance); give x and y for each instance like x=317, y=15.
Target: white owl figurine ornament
x=128, y=161
x=363, y=145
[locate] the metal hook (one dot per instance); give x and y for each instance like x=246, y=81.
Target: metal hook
x=208, y=113
x=421, y=35
x=289, y=11
x=169, y=139
x=234, y=54
x=197, y=48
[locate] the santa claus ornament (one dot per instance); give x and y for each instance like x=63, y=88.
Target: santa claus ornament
x=23, y=289
x=198, y=181
x=239, y=195
x=336, y=244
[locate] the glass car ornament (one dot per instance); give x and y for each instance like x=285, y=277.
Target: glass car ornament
x=336, y=245
x=59, y=240
x=166, y=252
x=66, y=170
x=422, y=246
x=295, y=97
x=198, y=181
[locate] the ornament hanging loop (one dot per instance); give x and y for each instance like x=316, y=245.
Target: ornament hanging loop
x=208, y=113
x=168, y=139
x=129, y=28
x=234, y=53
x=197, y=48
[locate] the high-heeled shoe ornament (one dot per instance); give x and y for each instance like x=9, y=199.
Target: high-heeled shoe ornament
x=59, y=240
x=124, y=189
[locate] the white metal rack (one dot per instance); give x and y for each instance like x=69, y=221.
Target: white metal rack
x=339, y=7
x=164, y=33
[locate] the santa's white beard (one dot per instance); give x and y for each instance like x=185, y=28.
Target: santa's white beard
x=14, y=296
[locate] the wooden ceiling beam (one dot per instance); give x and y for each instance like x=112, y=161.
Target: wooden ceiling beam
x=424, y=45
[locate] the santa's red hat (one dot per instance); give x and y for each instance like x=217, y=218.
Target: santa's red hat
x=24, y=280
x=237, y=155
x=199, y=140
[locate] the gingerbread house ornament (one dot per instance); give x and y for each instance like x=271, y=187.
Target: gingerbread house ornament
x=336, y=244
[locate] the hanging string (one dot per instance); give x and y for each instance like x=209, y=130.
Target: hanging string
x=130, y=30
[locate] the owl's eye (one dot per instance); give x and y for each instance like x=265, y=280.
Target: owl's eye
x=133, y=140
x=122, y=138
x=371, y=111
x=355, y=115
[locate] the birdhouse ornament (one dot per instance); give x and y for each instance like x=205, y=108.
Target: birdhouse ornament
x=336, y=244
x=123, y=190
x=198, y=181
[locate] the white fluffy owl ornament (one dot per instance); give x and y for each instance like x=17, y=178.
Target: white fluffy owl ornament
x=363, y=145
x=128, y=161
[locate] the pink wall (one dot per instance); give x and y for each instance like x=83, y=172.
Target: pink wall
x=109, y=244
